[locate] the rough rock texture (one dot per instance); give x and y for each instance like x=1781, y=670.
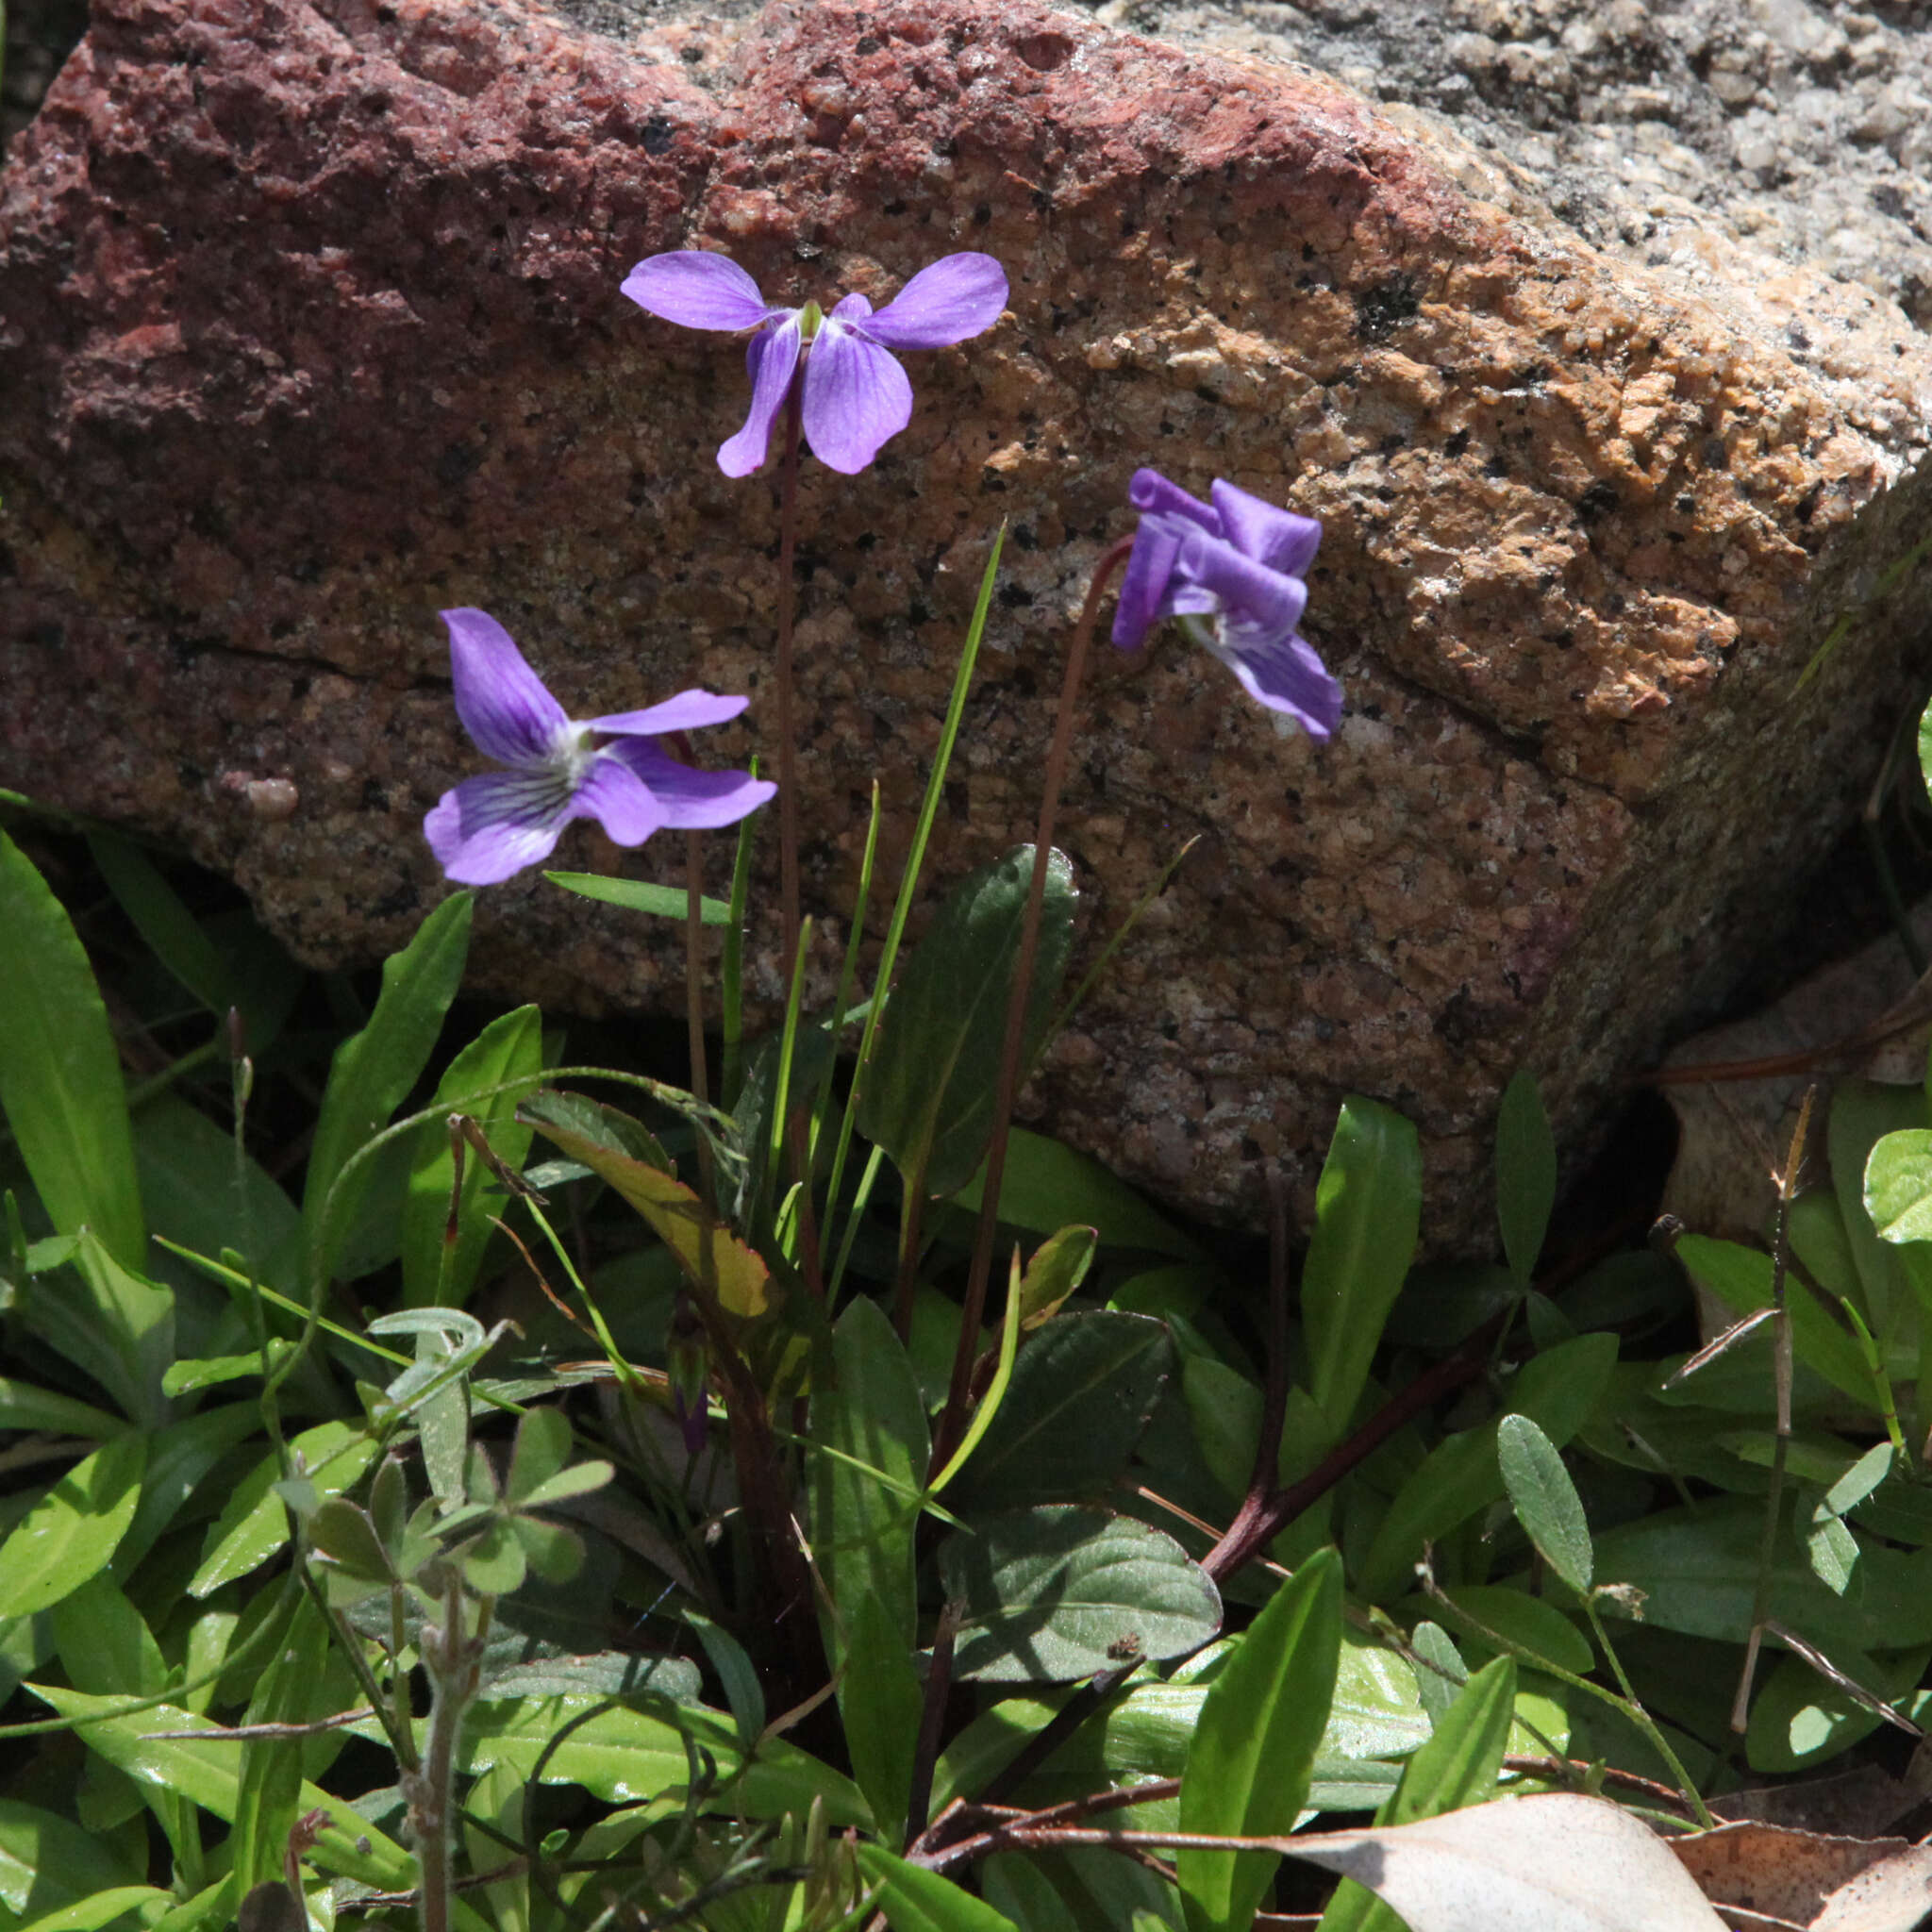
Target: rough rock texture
x=309, y=324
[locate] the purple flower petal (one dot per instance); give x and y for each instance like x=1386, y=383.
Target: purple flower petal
x=1256, y=598
x=852, y=308
x=696, y=289
x=1286, y=675
x=855, y=397
x=691, y=799
x=956, y=297
x=770, y=355
x=502, y=702
x=1149, y=491
x=618, y=800
x=1277, y=538
x=497, y=824
x=1143, y=588
x=690, y=710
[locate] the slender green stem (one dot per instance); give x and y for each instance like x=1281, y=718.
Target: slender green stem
x=1012, y=1051
x=694, y=1004
x=1642, y=1718
x=731, y=970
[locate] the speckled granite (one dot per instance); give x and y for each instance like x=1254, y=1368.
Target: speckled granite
x=311, y=315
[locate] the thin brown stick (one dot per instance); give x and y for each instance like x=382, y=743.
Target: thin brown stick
x=932, y=1721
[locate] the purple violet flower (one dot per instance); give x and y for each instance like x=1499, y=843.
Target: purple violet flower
x=609, y=769
x=856, y=395
x=1232, y=574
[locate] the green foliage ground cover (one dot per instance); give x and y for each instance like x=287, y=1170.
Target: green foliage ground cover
x=463, y=1470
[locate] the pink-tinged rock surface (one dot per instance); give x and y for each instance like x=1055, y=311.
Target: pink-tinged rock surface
x=309, y=326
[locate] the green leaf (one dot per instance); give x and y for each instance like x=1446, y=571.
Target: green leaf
x=1048, y=1185
x=1799, y=1720
x=47, y=1862
x=608, y=1143
x=606, y=1673
x=293, y=1689
x=171, y=932
x=1740, y=1278
x=117, y=1325
x=186, y=1167
x=511, y=1048
x=1249, y=1765
x=1060, y=1593
x=102, y=1909
x=1082, y=1390
x=880, y=1699
x=1532, y=1622
x=1367, y=1211
x=1544, y=1499
x=208, y=1774
x=641, y=895
x=928, y=1095
x=104, y=1645
x=637, y=1757
x=1697, y=1569
x=71, y=1534
x=1056, y=1270
x=61, y=1085
x=372, y=1072
x=1461, y=1475
x=1456, y=1767
x=868, y=1409
x=253, y=1525
x=1898, y=1186
x=24, y=1407
x=1525, y=1174
x=179, y=1459
x=916, y=1900
x=1863, y=1113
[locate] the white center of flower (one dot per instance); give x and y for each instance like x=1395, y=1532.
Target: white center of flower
x=577, y=752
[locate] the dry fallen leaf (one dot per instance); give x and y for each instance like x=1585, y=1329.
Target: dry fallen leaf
x=1891, y=1896
x=1772, y=1872
x=1545, y=1864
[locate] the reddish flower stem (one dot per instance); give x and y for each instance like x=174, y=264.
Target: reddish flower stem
x=954, y=1420
x=788, y=713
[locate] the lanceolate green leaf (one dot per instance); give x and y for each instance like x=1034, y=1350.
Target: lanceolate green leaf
x=168, y=928
x=916, y=1900
x=61, y=1084
x=928, y=1095
x=869, y=1409
x=71, y=1534
x=270, y=1782
x=880, y=1698
x=1253, y=1751
x=511, y=1048
x=1456, y=1767
x=1525, y=1174
x=1368, y=1210
x=114, y=1324
x=48, y=1861
x=374, y=1072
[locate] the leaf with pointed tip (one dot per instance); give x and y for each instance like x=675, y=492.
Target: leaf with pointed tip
x=1544, y=1499
x=709, y=1254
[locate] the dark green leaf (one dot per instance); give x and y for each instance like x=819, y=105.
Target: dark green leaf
x=1254, y=1750
x=1061, y=1593
x=865, y=1496
x=252, y=1526
x=1081, y=1393
x=117, y=1325
x=607, y=1673
x=1525, y=1174
x=880, y=1698
x=927, y=1097
x=373, y=1073
x=341, y=1531
x=48, y=1861
x=71, y=1534
x=511, y=1048
x=1368, y=1210
x=1544, y=1499
x=1800, y=1719
x=293, y=1689
x=167, y=926
x=1532, y=1622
